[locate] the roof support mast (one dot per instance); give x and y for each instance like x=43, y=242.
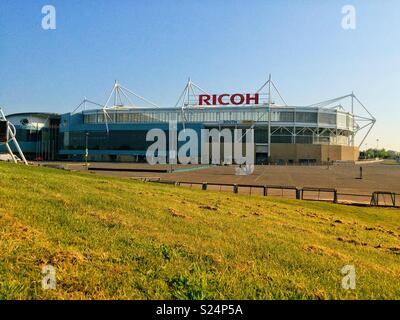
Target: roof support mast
x=187, y=98
x=352, y=112
x=271, y=86
x=116, y=96
x=269, y=119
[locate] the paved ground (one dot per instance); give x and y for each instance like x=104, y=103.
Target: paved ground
x=345, y=178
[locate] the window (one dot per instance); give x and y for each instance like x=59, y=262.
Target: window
x=122, y=117
x=90, y=118
x=306, y=117
x=304, y=139
x=100, y=118
x=327, y=118
x=286, y=116
x=281, y=139
x=341, y=120
x=114, y=140
x=349, y=122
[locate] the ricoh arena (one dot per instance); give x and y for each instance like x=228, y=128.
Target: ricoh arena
x=116, y=131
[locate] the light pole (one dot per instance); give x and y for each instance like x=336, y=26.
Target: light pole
x=87, y=149
x=329, y=145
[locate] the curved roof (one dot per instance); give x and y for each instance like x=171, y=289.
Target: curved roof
x=47, y=114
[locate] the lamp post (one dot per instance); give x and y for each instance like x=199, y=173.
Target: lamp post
x=377, y=148
x=87, y=149
x=329, y=156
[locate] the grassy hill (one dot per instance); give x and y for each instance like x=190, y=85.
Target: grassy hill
x=121, y=239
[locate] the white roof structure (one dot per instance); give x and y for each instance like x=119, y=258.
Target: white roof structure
x=122, y=98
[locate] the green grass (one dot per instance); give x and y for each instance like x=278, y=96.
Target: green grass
x=391, y=162
x=120, y=239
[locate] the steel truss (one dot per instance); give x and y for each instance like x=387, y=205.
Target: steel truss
x=188, y=99
x=119, y=98
x=84, y=104
x=122, y=98
x=360, y=122
x=315, y=132
x=117, y=92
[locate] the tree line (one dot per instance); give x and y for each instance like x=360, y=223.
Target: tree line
x=379, y=153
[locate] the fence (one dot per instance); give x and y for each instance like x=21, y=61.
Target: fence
x=389, y=198
x=377, y=198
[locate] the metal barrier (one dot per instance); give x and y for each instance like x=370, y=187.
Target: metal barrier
x=383, y=194
x=353, y=198
x=331, y=191
x=291, y=192
x=297, y=193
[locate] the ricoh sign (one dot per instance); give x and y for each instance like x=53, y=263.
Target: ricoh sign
x=229, y=99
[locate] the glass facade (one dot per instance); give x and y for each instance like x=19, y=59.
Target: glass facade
x=315, y=117
x=127, y=128
x=114, y=140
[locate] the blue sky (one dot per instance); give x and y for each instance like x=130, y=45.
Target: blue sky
x=152, y=47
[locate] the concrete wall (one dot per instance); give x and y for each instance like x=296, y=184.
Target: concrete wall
x=317, y=152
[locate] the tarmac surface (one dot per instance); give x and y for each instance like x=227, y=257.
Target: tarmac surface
x=343, y=177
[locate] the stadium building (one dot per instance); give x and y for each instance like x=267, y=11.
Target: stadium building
x=38, y=134
x=116, y=130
